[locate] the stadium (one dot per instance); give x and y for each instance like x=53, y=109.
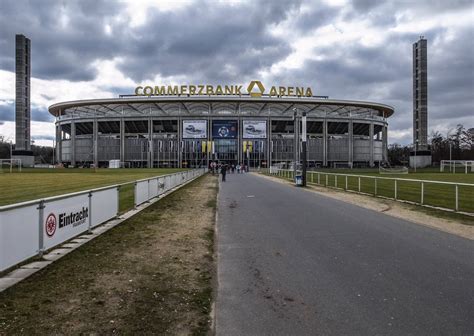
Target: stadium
x=183, y=127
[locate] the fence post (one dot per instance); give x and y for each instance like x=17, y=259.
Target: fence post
x=346, y=183
x=118, y=199
x=422, y=192
x=335, y=181
x=319, y=178
x=457, y=198
x=326, y=180
x=40, y=228
x=375, y=186
x=89, y=229
x=312, y=177
x=359, y=183
x=135, y=194
x=395, y=189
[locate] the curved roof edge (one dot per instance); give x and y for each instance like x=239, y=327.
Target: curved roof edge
x=55, y=109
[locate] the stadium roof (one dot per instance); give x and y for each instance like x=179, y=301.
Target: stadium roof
x=218, y=105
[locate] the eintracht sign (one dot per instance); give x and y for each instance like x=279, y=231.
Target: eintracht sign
x=254, y=89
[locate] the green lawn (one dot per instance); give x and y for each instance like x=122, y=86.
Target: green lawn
x=434, y=194
x=37, y=183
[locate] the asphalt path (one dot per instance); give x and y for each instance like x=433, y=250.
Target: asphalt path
x=293, y=262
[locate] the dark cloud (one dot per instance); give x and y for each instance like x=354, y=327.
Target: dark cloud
x=203, y=40
x=66, y=37
x=211, y=41
x=7, y=113
x=220, y=42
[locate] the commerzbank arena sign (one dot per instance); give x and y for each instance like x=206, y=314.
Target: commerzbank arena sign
x=254, y=89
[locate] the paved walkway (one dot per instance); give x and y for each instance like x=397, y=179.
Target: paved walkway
x=291, y=262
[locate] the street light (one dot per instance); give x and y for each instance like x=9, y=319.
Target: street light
x=303, y=148
x=303, y=145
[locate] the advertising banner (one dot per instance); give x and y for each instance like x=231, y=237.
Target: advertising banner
x=254, y=129
x=194, y=129
x=224, y=129
x=65, y=218
x=104, y=205
x=18, y=235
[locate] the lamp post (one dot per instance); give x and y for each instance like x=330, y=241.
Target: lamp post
x=296, y=140
x=303, y=149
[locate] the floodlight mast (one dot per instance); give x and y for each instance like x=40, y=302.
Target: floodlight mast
x=303, y=149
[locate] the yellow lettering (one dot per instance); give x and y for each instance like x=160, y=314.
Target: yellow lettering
x=291, y=91
x=219, y=90
x=299, y=91
x=201, y=89
x=160, y=90
x=173, y=90
x=192, y=89
x=237, y=90
x=184, y=89
x=137, y=91
x=282, y=90
x=273, y=91
x=309, y=93
x=209, y=90
x=147, y=91
x=229, y=90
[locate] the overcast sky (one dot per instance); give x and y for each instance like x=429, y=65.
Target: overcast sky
x=359, y=50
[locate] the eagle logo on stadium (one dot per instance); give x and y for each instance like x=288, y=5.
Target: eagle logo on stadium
x=51, y=225
x=223, y=131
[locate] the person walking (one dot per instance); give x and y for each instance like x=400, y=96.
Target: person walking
x=223, y=172
x=238, y=168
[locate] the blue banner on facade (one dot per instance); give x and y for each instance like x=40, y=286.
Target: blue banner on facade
x=224, y=129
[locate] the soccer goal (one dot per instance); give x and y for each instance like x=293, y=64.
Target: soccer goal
x=393, y=170
x=10, y=165
x=466, y=166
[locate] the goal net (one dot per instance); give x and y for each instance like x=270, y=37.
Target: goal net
x=393, y=170
x=453, y=166
x=9, y=165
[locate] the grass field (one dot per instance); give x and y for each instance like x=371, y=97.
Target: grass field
x=32, y=184
x=434, y=194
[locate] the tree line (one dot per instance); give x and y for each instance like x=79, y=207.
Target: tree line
x=456, y=145
x=43, y=154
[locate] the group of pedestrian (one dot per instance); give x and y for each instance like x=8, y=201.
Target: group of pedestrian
x=224, y=168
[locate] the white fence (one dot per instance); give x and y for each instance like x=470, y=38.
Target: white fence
x=29, y=228
x=439, y=194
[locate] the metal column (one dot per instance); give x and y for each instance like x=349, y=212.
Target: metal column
x=371, y=142
x=269, y=143
x=59, y=143
x=150, y=143
x=351, y=143
x=73, y=143
x=95, y=140
x=122, y=140
x=325, y=143
x=384, y=144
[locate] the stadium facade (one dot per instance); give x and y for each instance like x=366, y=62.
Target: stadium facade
x=187, y=126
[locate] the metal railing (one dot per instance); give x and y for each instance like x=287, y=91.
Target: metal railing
x=29, y=228
x=451, y=196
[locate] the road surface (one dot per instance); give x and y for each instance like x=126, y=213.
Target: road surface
x=292, y=262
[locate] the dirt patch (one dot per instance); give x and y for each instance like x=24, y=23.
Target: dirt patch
x=415, y=214
x=150, y=275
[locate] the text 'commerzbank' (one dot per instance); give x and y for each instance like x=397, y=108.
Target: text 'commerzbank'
x=254, y=89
